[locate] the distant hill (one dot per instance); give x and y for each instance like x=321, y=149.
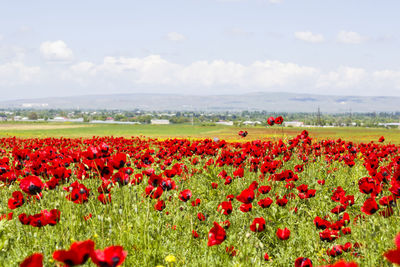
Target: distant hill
x=276, y=102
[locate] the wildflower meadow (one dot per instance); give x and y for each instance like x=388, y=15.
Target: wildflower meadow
x=111, y=201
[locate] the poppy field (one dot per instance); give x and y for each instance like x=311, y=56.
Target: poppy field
x=111, y=201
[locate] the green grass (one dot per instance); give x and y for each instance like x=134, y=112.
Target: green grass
x=42, y=130
x=131, y=221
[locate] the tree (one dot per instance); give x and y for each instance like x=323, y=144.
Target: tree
x=33, y=116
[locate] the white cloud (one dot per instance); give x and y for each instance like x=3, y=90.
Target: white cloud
x=343, y=78
x=129, y=74
x=56, y=51
x=310, y=37
x=217, y=72
x=17, y=73
x=12, y=53
x=176, y=37
x=82, y=67
x=154, y=70
x=348, y=37
x=275, y=1
x=387, y=78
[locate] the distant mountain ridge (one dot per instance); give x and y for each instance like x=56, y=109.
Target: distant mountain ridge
x=274, y=102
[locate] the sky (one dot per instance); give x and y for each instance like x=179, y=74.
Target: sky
x=65, y=48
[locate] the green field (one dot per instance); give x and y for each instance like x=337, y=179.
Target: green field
x=44, y=129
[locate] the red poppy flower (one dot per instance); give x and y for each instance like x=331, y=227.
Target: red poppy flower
x=258, y=225
x=79, y=193
x=266, y=257
x=137, y=179
x=239, y=172
x=121, y=177
x=346, y=231
x=24, y=219
x=282, y=202
x=31, y=185
x=271, y=121
x=201, y=216
x=214, y=185
x=366, y=185
x=8, y=216
x=298, y=168
x=264, y=189
x=283, y=234
x=346, y=247
x=228, y=180
x=278, y=120
x=118, y=161
x=41, y=219
x=335, y=251
x=386, y=200
x=246, y=207
x=338, y=209
x=160, y=205
x=328, y=235
x=226, y=224
x=394, y=255
x=370, y=206
x=231, y=251
x=225, y=207
x=196, y=202
x=16, y=201
x=342, y=263
x=216, y=236
x=230, y=197
x=195, y=234
x=35, y=260
x=303, y=262
x=109, y=257
x=185, y=195
x=243, y=133
x=51, y=217
x=246, y=196
x=153, y=192
x=265, y=202
x=78, y=253
x=381, y=139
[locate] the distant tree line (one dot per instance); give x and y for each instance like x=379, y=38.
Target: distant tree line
x=371, y=119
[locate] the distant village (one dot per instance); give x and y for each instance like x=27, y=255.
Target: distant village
x=244, y=118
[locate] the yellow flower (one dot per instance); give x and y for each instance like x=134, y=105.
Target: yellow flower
x=321, y=252
x=170, y=258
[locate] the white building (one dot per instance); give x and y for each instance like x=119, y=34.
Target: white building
x=251, y=122
x=159, y=121
x=58, y=119
x=293, y=123
x=227, y=123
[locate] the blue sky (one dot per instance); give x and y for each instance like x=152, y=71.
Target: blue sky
x=58, y=48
